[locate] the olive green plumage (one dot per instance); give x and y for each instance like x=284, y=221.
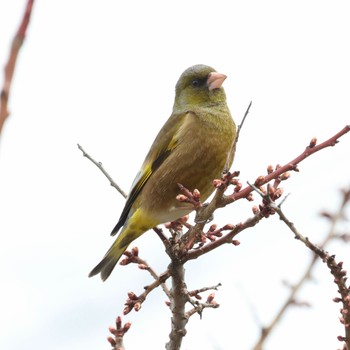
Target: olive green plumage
x=191, y=149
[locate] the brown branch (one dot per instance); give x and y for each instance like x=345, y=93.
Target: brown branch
x=134, y=301
x=266, y=331
x=335, y=269
x=228, y=238
x=17, y=43
x=178, y=300
x=292, y=165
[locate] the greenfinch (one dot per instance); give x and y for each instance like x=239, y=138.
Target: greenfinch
x=191, y=149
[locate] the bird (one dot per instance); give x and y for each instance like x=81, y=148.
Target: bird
x=191, y=149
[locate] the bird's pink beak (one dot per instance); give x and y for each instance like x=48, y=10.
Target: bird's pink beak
x=215, y=80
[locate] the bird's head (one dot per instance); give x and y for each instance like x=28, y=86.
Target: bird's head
x=199, y=85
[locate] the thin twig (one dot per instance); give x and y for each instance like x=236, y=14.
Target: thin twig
x=198, y=307
x=204, y=289
x=240, y=126
x=135, y=301
x=228, y=238
x=235, y=141
x=11, y=63
x=100, y=166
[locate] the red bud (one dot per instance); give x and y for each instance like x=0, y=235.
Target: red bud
x=127, y=326
x=112, y=330
x=259, y=181
x=137, y=306
x=143, y=267
x=255, y=210
x=210, y=298
x=196, y=193
x=313, y=142
x=228, y=227
x=132, y=296
x=111, y=341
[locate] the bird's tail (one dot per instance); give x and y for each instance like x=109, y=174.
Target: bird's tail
x=129, y=233
x=107, y=264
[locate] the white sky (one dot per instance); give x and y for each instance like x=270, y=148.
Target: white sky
x=102, y=74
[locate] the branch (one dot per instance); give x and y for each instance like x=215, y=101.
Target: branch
x=228, y=238
x=199, y=306
x=134, y=301
x=178, y=300
x=11, y=63
x=100, y=166
x=335, y=269
x=292, y=165
x=235, y=141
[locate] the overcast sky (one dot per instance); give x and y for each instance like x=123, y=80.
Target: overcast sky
x=102, y=74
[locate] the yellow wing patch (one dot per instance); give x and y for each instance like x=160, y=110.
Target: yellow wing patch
x=146, y=172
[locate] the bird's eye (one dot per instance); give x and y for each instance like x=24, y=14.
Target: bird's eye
x=196, y=83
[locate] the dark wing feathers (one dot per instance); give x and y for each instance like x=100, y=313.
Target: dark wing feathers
x=163, y=145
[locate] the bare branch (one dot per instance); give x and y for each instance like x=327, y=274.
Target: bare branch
x=199, y=307
x=240, y=126
x=235, y=141
x=100, y=166
x=228, y=238
x=134, y=301
x=178, y=300
x=195, y=293
x=11, y=63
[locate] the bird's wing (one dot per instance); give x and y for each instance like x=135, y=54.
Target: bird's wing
x=165, y=142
